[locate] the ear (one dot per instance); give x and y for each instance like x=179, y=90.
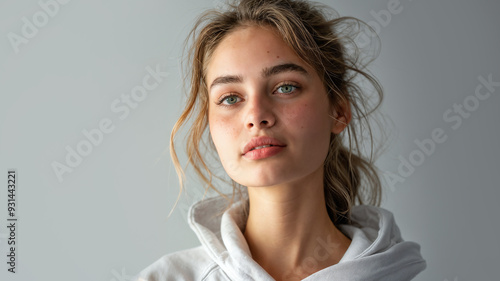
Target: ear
x=341, y=115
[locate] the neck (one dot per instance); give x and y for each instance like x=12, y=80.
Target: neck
x=289, y=231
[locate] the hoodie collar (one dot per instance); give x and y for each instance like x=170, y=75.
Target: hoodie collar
x=377, y=250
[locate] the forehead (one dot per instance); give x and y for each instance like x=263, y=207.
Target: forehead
x=248, y=50
x=252, y=36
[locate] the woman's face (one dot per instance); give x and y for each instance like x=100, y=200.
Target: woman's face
x=258, y=87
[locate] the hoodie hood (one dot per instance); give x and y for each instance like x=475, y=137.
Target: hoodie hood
x=377, y=250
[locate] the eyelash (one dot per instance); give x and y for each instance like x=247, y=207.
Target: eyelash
x=224, y=97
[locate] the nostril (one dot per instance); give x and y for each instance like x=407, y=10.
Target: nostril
x=259, y=124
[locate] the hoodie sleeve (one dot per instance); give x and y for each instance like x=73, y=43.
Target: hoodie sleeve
x=191, y=264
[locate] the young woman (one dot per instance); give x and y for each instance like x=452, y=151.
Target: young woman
x=275, y=84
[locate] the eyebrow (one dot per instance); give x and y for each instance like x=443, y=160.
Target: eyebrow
x=277, y=69
x=266, y=72
x=228, y=79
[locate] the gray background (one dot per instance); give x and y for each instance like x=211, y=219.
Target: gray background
x=107, y=219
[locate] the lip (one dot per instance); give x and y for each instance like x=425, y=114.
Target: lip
x=276, y=147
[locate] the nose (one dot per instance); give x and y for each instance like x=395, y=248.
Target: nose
x=260, y=114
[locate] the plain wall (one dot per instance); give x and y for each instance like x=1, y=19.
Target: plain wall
x=106, y=219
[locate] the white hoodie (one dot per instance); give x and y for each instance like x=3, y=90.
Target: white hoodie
x=376, y=252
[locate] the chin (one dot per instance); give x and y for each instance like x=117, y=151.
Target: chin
x=267, y=176
x=260, y=181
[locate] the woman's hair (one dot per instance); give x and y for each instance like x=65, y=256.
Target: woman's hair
x=327, y=43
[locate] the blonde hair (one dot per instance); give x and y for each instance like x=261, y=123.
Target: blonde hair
x=328, y=45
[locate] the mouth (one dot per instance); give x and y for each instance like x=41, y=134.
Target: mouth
x=263, y=142
x=262, y=146
x=263, y=151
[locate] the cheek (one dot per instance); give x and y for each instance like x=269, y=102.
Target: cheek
x=310, y=118
x=223, y=131
x=224, y=135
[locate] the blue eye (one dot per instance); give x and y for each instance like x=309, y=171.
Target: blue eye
x=286, y=89
x=230, y=99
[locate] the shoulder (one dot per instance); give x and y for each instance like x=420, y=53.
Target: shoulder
x=190, y=264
